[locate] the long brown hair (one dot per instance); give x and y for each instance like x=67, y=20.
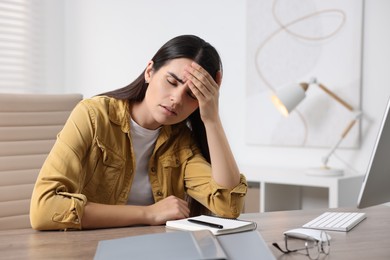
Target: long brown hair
x=184, y=46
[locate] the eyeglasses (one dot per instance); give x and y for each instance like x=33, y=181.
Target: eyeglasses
x=313, y=247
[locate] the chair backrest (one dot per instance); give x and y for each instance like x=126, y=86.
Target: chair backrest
x=29, y=124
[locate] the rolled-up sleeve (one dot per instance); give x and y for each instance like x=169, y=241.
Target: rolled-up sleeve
x=57, y=202
x=220, y=200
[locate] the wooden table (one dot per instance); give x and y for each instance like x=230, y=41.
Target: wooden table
x=369, y=240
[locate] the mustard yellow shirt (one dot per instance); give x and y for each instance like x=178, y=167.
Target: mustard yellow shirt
x=93, y=160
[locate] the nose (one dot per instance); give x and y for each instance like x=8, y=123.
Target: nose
x=177, y=95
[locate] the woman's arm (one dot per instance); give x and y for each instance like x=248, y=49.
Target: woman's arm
x=224, y=168
x=57, y=201
x=104, y=216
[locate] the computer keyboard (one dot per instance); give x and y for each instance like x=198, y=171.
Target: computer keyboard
x=336, y=221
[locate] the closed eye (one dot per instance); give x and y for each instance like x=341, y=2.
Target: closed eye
x=175, y=77
x=172, y=82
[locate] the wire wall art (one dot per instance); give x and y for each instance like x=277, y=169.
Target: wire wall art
x=292, y=41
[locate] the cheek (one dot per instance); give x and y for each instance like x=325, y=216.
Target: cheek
x=156, y=90
x=191, y=106
x=195, y=105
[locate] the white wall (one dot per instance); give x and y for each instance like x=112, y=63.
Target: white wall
x=108, y=43
x=54, y=49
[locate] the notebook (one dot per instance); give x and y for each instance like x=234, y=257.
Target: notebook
x=172, y=245
x=217, y=225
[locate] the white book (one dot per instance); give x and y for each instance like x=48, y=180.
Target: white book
x=217, y=225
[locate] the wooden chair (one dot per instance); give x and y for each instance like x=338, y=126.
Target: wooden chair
x=29, y=124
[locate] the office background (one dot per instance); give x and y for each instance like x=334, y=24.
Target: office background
x=92, y=46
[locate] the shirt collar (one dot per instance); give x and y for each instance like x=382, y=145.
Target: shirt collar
x=118, y=112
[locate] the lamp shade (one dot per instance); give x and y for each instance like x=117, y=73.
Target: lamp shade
x=287, y=98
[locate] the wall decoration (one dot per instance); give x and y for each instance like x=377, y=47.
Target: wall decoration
x=292, y=41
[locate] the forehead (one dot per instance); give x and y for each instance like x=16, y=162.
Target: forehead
x=177, y=65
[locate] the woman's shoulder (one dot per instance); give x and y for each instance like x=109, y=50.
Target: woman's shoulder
x=116, y=110
x=104, y=103
x=97, y=101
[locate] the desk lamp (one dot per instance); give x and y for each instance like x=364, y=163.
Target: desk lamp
x=286, y=99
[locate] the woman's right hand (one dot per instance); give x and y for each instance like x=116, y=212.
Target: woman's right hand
x=103, y=216
x=169, y=208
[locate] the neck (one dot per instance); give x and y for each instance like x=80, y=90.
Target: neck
x=142, y=116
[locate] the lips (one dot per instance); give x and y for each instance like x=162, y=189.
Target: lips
x=170, y=110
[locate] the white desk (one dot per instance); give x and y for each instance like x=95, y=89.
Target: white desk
x=286, y=189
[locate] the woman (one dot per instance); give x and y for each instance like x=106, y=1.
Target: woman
x=152, y=151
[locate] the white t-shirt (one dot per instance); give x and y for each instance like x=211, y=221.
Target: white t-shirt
x=143, y=141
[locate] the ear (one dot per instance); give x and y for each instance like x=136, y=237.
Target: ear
x=148, y=71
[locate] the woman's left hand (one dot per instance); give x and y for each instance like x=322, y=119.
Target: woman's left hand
x=205, y=89
x=224, y=168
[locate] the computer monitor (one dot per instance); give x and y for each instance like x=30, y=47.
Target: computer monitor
x=376, y=186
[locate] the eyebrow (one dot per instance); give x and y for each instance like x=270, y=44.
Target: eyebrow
x=176, y=77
